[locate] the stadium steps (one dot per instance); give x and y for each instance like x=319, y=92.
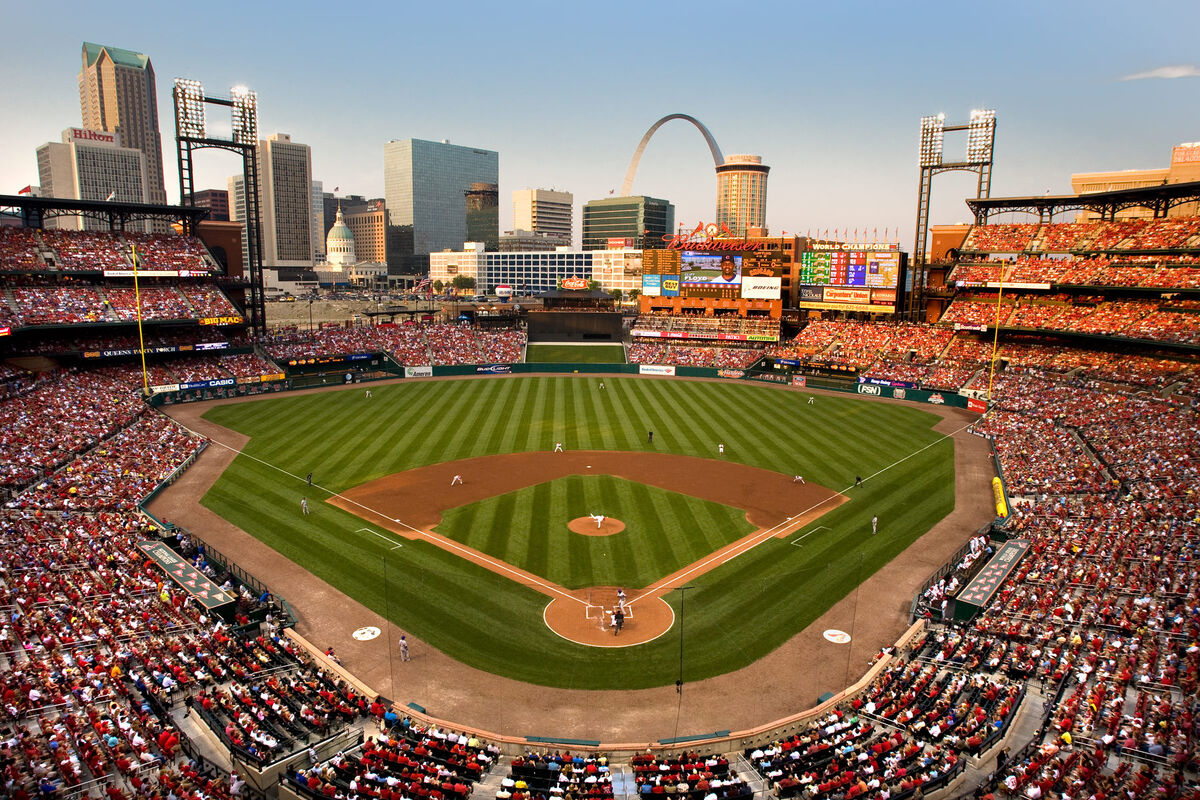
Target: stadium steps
x=486, y=789
x=1091, y=454
x=747, y=772
x=623, y=782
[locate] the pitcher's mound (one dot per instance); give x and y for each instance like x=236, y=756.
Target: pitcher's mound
x=587, y=526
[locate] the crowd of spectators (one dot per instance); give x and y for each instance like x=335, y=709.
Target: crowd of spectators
x=691, y=775
x=74, y=303
x=1165, y=272
x=1133, y=234
x=409, y=345
x=702, y=326
x=653, y=352
x=36, y=250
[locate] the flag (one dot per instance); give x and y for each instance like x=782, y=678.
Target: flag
x=336, y=188
x=111, y=196
x=610, y=191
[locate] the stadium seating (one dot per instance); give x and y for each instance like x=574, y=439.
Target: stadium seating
x=682, y=356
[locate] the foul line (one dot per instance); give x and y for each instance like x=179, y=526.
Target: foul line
x=745, y=546
x=810, y=533
x=441, y=541
x=387, y=539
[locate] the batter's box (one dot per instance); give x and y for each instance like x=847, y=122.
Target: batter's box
x=799, y=539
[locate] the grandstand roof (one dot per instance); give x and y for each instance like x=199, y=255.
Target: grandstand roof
x=33, y=209
x=1159, y=198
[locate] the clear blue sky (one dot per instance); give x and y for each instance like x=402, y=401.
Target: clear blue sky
x=830, y=94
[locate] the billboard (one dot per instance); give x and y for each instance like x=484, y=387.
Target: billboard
x=851, y=277
x=651, y=285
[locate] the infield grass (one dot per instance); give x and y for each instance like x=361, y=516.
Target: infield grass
x=664, y=531
x=750, y=605
x=575, y=353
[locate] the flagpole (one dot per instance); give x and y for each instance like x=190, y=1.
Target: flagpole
x=137, y=296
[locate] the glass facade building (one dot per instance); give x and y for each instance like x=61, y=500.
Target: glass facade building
x=645, y=220
x=533, y=272
x=425, y=185
x=742, y=193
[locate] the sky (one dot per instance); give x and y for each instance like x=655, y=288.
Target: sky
x=830, y=94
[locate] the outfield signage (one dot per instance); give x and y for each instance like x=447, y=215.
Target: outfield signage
x=493, y=369
x=190, y=579
x=155, y=273
x=221, y=320
x=885, y=382
x=655, y=369
x=134, y=351
x=725, y=337
x=761, y=288
x=5, y=330
x=652, y=285
x=984, y=585
x=339, y=359
x=214, y=384
x=418, y=372
x=799, y=380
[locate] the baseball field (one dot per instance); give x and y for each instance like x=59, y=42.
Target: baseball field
x=474, y=569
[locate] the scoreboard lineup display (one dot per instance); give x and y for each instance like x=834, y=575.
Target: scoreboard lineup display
x=851, y=277
x=710, y=274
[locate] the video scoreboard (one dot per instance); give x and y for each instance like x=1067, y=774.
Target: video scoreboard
x=712, y=274
x=851, y=277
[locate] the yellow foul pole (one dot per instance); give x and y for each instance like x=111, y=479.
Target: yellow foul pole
x=137, y=296
x=995, y=337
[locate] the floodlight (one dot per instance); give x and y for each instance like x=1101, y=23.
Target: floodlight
x=189, y=108
x=931, y=140
x=980, y=135
x=245, y=115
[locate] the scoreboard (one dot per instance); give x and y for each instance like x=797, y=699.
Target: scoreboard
x=851, y=277
x=707, y=274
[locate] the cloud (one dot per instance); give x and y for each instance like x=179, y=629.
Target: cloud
x=1176, y=71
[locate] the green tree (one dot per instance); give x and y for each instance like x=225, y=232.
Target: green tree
x=633, y=293
x=463, y=282
x=616, y=293
x=438, y=286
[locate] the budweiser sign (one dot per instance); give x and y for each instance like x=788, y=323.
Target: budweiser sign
x=711, y=237
x=575, y=283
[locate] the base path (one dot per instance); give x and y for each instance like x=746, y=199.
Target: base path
x=782, y=682
x=411, y=504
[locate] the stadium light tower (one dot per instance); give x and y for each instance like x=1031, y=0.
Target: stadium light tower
x=981, y=136
x=191, y=134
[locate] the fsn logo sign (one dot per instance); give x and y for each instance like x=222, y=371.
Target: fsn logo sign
x=869, y=388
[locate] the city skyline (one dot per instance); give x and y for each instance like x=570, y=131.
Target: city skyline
x=834, y=108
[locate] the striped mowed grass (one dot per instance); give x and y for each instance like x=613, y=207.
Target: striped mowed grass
x=664, y=531
x=752, y=604
x=575, y=353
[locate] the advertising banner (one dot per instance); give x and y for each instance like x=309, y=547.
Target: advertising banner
x=799, y=380
x=651, y=285
x=575, y=283
x=670, y=286
x=812, y=294
x=869, y=388
x=731, y=373
x=206, y=384
x=188, y=577
x=418, y=372
x=5, y=330
x=761, y=288
x=220, y=320
x=833, y=295
x=883, y=382
x=655, y=369
x=977, y=405
x=504, y=291
x=494, y=369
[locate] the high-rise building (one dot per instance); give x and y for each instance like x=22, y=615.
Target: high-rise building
x=742, y=194
x=369, y=226
x=425, y=185
x=237, y=211
x=285, y=188
x=349, y=203
x=117, y=94
x=318, y=221
x=545, y=212
x=91, y=165
x=643, y=220
x=483, y=214
x=217, y=203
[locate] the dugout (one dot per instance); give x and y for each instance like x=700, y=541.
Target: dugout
x=575, y=316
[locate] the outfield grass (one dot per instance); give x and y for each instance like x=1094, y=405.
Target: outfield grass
x=575, y=354
x=751, y=605
x=664, y=531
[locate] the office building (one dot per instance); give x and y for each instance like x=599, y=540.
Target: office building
x=91, y=165
x=519, y=241
x=318, y=222
x=742, y=194
x=217, y=203
x=483, y=214
x=349, y=204
x=544, y=212
x=285, y=194
x=237, y=211
x=426, y=186
x=643, y=220
x=117, y=94
x=369, y=226
x=540, y=271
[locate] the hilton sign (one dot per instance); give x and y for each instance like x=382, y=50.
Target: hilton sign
x=85, y=135
x=709, y=237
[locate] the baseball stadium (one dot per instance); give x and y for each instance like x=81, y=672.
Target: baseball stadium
x=767, y=529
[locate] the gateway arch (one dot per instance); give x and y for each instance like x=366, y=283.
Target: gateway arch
x=718, y=159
